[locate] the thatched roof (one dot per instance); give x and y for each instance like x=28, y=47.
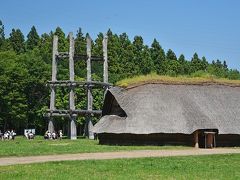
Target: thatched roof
x=161, y=108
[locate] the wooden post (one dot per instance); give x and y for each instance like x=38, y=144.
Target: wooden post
x=71, y=72
x=89, y=73
x=72, y=128
x=205, y=140
x=105, y=58
x=54, y=61
x=50, y=125
x=89, y=88
x=196, y=144
x=90, y=130
x=72, y=131
x=54, y=78
x=53, y=97
x=214, y=143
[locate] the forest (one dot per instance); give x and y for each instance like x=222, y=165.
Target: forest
x=25, y=68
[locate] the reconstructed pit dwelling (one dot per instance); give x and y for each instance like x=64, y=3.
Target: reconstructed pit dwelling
x=203, y=115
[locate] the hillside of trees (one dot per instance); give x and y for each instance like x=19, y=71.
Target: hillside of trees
x=25, y=67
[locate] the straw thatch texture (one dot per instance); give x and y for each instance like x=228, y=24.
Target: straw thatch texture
x=161, y=108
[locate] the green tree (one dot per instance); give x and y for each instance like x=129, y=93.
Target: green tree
x=147, y=62
x=32, y=39
x=183, y=65
x=171, y=68
x=126, y=56
x=13, y=104
x=45, y=47
x=198, y=64
x=233, y=74
x=171, y=55
x=35, y=90
x=63, y=44
x=225, y=66
x=80, y=48
x=204, y=63
x=157, y=55
x=2, y=35
x=217, y=69
x=181, y=59
x=137, y=50
x=80, y=42
x=17, y=41
x=115, y=70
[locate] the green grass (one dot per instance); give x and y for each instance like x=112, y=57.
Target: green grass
x=23, y=147
x=154, y=78
x=190, y=167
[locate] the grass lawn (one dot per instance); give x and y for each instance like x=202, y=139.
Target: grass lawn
x=191, y=167
x=23, y=147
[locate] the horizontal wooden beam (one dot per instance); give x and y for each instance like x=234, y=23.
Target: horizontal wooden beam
x=77, y=112
x=97, y=112
x=57, y=115
x=85, y=57
x=78, y=83
x=62, y=55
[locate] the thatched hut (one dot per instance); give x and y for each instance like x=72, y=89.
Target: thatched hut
x=168, y=114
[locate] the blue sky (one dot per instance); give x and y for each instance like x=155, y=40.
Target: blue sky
x=209, y=27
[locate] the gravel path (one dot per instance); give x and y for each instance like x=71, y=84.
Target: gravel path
x=115, y=155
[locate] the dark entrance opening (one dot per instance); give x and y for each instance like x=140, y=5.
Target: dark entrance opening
x=207, y=138
x=210, y=139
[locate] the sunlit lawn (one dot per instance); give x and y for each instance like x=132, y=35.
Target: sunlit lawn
x=23, y=147
x=191, y=167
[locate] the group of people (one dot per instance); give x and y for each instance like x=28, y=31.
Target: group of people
x=53, y=135
x=29, y=135
x=8, y=135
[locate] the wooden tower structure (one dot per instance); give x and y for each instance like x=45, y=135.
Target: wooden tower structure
x=71, y=84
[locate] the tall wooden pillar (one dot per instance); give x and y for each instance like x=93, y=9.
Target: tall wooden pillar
x=54, y=60
x=54, y=78
x=72, y=124
x=90, y=130
x=72, y=128
x=105, y=60
x=89, y=89
x=196, y=142
x=50, y=125
x=89, y=73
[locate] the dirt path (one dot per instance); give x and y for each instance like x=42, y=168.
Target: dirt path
x=114, y=155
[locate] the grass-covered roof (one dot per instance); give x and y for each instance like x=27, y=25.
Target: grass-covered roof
x=158, y=79
x=171, y=108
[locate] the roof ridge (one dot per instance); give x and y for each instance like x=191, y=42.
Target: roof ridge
x=207, y=83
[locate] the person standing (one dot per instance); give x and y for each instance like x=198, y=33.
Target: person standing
x=60, y=134
x=49, y=135
x=12, y=134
